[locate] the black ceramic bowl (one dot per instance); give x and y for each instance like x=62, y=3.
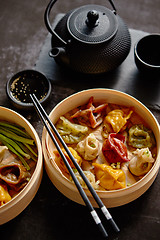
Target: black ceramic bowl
x=147, y=54
x=23, y=83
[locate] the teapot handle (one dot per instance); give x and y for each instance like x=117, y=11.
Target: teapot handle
x=47, y=22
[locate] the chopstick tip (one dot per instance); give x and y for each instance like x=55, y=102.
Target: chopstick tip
x=114, y=225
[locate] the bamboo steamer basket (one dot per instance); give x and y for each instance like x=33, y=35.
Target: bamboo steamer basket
x=112, y=198
x=16, y=205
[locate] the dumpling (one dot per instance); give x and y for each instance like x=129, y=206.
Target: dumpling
x=71, y=132
x=140, y=137
x=117, y=118
x=109, y=178
x=59, y=161
x=114, y=148
x=91, y=177
x=141, y=161
x=91, y=116
x=4, y=195
x=15, y=175
x=89, y=147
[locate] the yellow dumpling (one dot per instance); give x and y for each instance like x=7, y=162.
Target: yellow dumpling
x=109, y=178
x=117, y=119
x=4, y=196
x=61, y=164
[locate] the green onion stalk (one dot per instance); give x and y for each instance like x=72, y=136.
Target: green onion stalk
x=18, y=141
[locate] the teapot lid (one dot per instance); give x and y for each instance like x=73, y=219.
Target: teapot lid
x=92, y=24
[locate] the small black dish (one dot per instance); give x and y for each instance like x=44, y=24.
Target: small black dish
x=147, y=54
x=23, y=83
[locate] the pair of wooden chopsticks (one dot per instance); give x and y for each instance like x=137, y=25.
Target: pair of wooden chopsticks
x=43, y=116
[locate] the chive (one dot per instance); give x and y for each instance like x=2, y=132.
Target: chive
x=31, y=149
x=92, y=145
x=25, y=164
x=16, y=129
x=14, y=136
x=14, y=151
x=27, y=150
x=14, y=145
x=18, y=141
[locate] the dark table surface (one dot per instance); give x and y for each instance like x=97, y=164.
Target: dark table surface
x=24, y=44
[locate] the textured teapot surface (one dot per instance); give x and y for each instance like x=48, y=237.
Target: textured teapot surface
x=91, y=39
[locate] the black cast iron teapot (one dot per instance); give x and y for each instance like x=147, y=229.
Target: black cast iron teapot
x=91, y=39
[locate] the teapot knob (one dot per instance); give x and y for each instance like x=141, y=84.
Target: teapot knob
x=92, y=18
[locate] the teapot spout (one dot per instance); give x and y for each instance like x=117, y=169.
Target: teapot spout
x=59, y=54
